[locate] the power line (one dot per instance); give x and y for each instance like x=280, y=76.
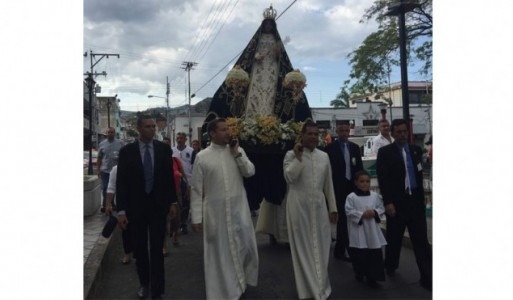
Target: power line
x=199, y=32
x=206, y=32
x=215, y=75
x=286, y=9
x=219, y=31
x=216, y=21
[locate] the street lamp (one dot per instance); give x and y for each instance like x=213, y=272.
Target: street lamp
x=90, y=84
x=390, y=103
x=167, y=111
x=108, y=112
x=167, y=105
x=411, y=128
x=190, y=123
x=400, y=9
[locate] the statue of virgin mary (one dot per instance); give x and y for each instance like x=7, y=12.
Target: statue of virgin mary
x=266, y=62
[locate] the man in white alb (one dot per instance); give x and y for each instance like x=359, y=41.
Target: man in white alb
x=219, y=207
x=311, y=206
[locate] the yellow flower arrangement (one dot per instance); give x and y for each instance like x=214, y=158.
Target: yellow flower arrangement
x=268, y=129
x=264, y=130
x=235, y=126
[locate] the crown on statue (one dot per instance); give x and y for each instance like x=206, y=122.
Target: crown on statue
x=270, y=13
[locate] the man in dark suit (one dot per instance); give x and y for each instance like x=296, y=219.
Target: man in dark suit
x=145, y=195
x=346, y=160
x=399, y=168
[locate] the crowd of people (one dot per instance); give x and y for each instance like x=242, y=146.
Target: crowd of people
x=156, y=190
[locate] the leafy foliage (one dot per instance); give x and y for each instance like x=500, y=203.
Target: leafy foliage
x=342, y=99
x=372, y=62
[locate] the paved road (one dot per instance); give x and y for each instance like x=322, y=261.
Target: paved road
x=185, y=278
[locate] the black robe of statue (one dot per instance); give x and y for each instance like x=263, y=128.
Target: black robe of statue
x=268, y=180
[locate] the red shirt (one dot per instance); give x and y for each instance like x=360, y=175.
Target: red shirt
x=177, y=165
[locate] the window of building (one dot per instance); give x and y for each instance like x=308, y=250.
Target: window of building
x=338, y=122
x=370, y=122
x=417, y=97
x=323, y=124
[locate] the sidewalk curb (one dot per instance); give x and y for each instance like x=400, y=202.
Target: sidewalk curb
x=93, y=267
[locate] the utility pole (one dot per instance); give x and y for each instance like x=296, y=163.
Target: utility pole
x=108, y=113
x=390, y=101
x=97, y=89
x=188, y=65
x=167, y=108
x=400, y=9
x=90, y=86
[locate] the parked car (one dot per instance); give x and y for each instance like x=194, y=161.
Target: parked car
x=94, y=158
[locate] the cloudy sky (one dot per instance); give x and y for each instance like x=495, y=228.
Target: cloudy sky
x=42, y=121
x=154, y=37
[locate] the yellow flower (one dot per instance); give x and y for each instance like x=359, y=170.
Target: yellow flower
x=235, y=126
x=268, y=129
x=264, y=130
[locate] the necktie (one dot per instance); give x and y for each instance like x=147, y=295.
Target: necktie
x=409, y=180
x=347, y=160
x=148, y=170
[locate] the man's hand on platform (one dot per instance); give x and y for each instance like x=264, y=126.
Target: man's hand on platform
x=234, y=147
x=298, y=151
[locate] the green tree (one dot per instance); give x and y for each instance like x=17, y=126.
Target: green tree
x=342, y=99
x=372, y=61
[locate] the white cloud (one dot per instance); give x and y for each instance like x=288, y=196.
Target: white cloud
x=155, y=37
x=308, y=68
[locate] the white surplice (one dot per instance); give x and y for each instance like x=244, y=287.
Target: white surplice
x=219, y=201
x=368, y=235
x=310, y=194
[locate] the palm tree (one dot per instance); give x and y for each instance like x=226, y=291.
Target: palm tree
x=342, y=99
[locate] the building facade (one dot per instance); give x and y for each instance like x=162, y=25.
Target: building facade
x=365, y=116
x=419, y=92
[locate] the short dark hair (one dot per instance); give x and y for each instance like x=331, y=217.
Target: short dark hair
x=308, y=123
x=212, y=125
x=141, y=118
x=360, y=173
x=397, y=122
x=383, y=121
